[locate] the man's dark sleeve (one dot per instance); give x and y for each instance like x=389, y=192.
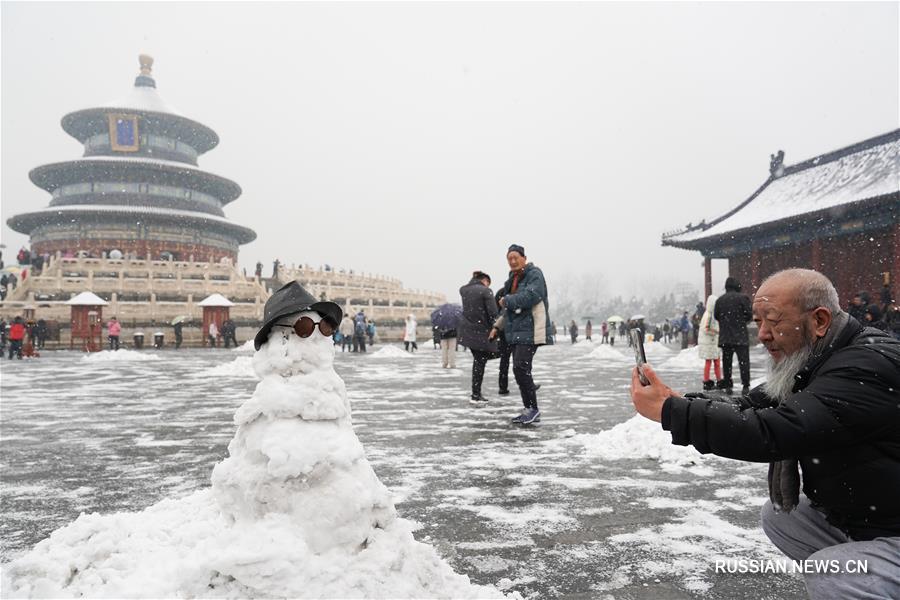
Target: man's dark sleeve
x=490, y=304
x=852, y=398
x=747, y=308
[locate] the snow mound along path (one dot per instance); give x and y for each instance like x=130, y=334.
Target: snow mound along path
x=390, y=352
x=241, y=367
x=118, y=356
x=638, y=438
x=187, y=549
x=245, y=348
x=687, y=359
x=295, y=511
x=606, y=354
x=655, y=352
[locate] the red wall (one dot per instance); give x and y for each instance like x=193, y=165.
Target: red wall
x=201, y=252
x=853, y=263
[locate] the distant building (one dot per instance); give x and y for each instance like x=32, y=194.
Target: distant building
x=137, y=189
x=137, y=223
x=838, y=213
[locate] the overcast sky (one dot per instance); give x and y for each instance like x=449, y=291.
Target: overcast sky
x=419, y=140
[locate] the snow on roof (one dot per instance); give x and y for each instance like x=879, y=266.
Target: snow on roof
x=39, y=174
x=245, y=234
x=140, y=160
x=87, y=299
x=215, y=300
x=840, y=178
x=142, y=98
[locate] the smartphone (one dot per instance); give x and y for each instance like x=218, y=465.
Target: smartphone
x=637, y=342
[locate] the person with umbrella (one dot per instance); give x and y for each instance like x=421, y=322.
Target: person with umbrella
x=614, y=322
x=178, y=326
x=479, y=311
x=445, y=319
x=525, y=321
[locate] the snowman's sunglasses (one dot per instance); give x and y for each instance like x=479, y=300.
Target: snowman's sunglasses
x=304, y=327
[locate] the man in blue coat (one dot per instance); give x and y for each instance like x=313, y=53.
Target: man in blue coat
x=525, y=323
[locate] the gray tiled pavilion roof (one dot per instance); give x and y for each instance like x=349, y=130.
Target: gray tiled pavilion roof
x=864, y=171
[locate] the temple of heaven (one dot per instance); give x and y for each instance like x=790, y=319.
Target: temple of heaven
x=137, y=190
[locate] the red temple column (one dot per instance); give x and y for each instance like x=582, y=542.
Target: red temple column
x=754, y=269
x=707, y=276
x=816, y=258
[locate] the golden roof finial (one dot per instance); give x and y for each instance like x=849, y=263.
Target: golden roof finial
x=146, y=64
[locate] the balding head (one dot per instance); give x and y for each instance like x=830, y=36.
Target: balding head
x=793, y=309
x=808, y=289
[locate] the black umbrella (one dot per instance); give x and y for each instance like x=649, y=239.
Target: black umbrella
x=447, y=316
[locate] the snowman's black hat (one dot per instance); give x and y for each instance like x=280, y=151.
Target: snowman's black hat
x=289, y=299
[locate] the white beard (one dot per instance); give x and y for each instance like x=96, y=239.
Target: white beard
x=781, y=376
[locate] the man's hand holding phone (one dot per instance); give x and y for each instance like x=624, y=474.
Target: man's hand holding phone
x=648, y=399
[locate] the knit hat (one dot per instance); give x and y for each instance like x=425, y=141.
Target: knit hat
x=516, y=248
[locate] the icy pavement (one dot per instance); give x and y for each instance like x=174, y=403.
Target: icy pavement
x=590, y=503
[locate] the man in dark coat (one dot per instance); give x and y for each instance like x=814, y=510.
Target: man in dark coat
x=857, y=308
x=828, y=409
x=40, y=333
x=2, y=335
x=504, y=349
x=875, y=318
x=733, y=313
x=525, y=321
x=479, y=314
x=229, y=330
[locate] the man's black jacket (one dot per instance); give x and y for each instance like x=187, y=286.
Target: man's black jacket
x=733, y=312
x=842, y=423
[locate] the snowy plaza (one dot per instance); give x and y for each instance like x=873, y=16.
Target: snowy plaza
x=593, y=502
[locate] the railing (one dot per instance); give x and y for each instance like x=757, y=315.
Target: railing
x=117, y=279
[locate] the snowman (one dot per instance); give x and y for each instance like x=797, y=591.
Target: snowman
x=294, y=511
x=295, y=457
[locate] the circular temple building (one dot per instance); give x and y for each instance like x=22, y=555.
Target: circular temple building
x=137, y=188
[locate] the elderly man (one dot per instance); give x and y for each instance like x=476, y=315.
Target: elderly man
x=830, y=405
x=525, y=322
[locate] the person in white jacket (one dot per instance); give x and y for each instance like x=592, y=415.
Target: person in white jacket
x=409, y=336
x=708, y=344
x=347, y=328
x=213, y=334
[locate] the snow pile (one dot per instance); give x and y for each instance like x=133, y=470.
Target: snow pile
x=687, y=359
x=638, y=438
x=294, y=511
x=390, y=352
x=242, y=367
x=606, y=354
x=656, y=352
x=118, y=356
x=246, y=347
